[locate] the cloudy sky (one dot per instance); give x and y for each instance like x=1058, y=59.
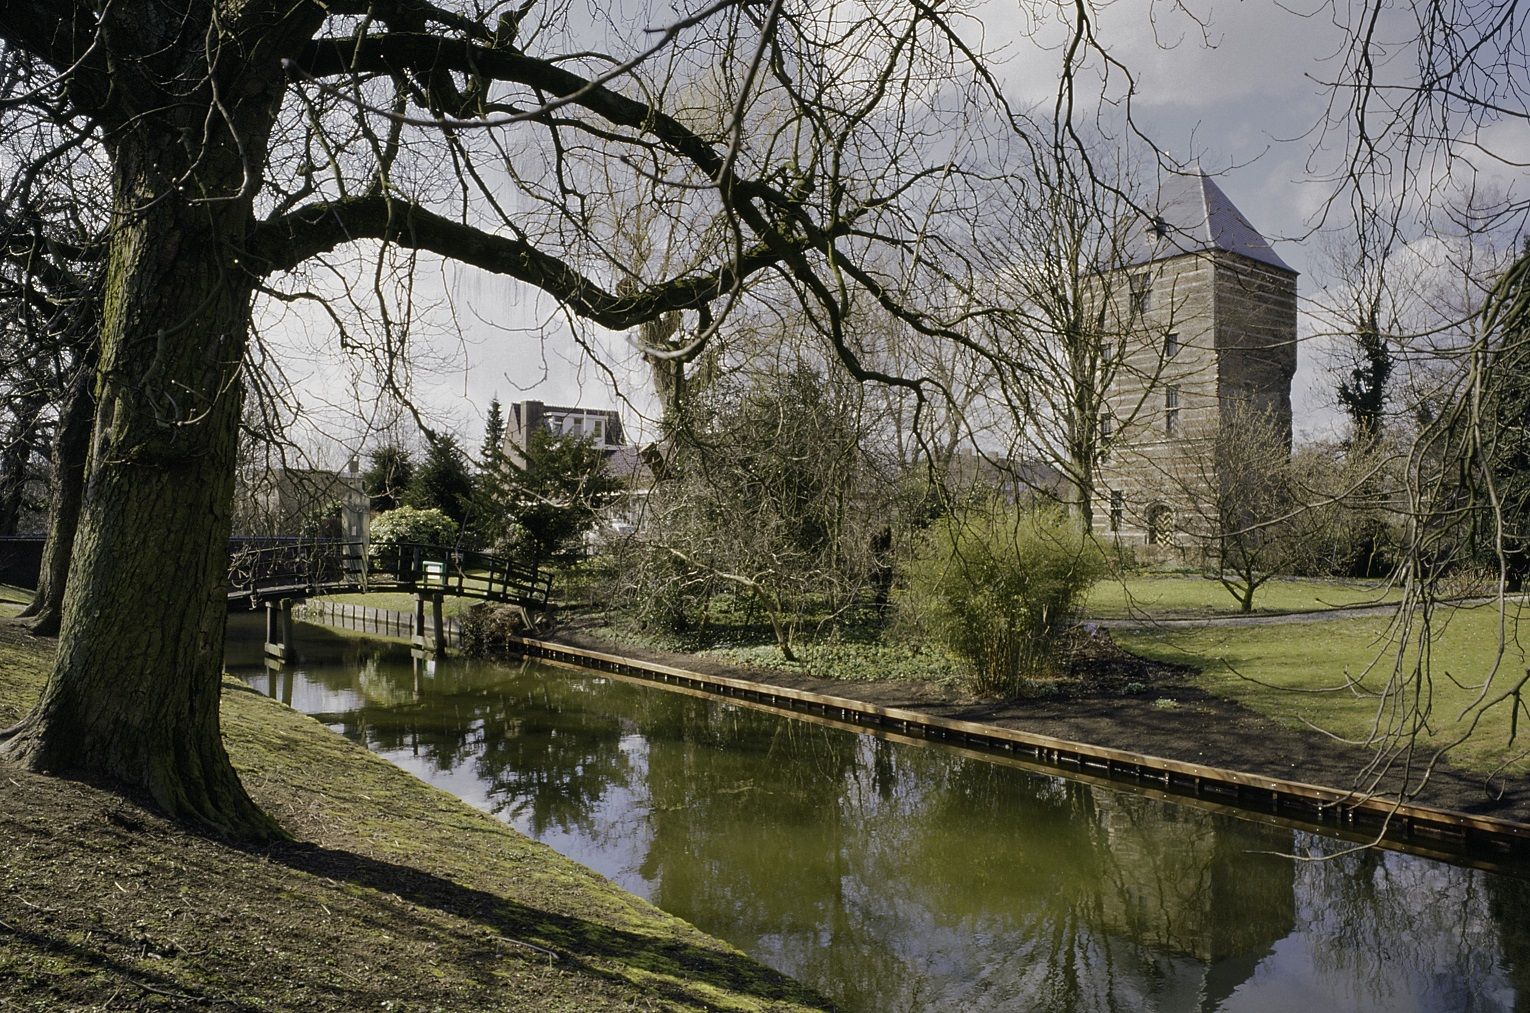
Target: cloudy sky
x=1235, y=87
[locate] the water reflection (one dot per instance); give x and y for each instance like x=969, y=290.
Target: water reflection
x=895, y=877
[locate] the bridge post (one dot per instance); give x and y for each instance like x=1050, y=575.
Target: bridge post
x=433, y=642
x=279, y=630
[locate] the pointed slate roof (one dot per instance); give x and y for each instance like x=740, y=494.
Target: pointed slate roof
x=1193, y=216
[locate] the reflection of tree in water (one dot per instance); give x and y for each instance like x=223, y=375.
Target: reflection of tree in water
x=551, y=751
x=1406, y=927
x=543, y=746
x=758, y=834
x=868, y=870
x=1509, y=906
x=1099, y=899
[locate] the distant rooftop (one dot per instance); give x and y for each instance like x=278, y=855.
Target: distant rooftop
x=526, y=416
x=1193, y=215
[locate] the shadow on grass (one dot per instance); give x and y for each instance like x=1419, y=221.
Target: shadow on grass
x=128, y=973
x=579, y=943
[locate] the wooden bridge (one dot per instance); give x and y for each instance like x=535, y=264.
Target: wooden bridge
x=276, y=574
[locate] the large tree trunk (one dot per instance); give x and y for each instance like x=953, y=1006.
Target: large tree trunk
x=70, y=448
x=133, y=698
x=134, y=694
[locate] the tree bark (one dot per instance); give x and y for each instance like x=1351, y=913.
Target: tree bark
x=70, y=448
x=133, y=697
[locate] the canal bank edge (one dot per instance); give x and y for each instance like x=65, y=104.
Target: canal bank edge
x=1432, y=830
x=396, y=895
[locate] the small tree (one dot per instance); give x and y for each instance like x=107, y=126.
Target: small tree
x=493, y=436
x=541, y=511
x=389, y=472
x=443, y=481
x=1239, y=485
x=1000, y=586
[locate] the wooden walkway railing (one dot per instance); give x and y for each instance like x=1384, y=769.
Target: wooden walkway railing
x=302, y=569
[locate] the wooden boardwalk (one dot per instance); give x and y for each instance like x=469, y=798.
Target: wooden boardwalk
x=1465, y=838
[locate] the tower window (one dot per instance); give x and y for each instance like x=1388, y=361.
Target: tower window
x=1117, y=507
x=1170, y=345
x=1170, y=409
x=1141, y=293
x=598, y=430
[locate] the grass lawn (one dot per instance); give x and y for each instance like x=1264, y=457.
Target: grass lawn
x=400, y=601
x=1170, y=596
x=1261, y=666
x=11, y=594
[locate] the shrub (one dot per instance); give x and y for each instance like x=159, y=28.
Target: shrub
x=407, y=524
x=485, y=629
x=1000, y=586
x=664, y=595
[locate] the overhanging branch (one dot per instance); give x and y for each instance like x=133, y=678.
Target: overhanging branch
x=285, y=242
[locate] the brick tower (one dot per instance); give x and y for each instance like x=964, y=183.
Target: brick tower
x=1215, y=327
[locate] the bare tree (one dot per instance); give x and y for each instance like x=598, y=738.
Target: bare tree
x=1424, y=97
x=1065, y=318
x=264, y=148
x=53, y=215
x=771, y=494
x=1240, y=491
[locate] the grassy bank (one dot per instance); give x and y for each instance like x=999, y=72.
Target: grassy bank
x=863, y=650
x=1294, y=673
x=395, y=896
x=400, y=601
x=1297, y=674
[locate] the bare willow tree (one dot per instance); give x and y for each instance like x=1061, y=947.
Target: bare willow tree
x=1426, y=98
x=317, y=152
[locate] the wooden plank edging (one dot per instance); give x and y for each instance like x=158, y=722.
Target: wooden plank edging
x=1327, y=805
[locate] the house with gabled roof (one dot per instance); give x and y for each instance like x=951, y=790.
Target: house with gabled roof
x=601, y=426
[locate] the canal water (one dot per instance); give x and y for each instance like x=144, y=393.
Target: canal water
x=907, y=877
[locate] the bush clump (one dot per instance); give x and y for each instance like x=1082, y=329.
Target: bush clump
x=405, y=525
x=1000, y=586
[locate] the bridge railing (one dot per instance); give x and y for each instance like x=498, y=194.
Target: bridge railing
x=312, y=566
x=460, y=571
